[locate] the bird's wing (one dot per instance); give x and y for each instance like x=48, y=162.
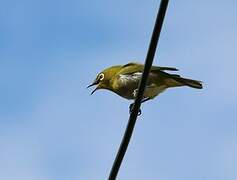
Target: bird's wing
x=130, y=64
x=154, y=68
x=131, y=68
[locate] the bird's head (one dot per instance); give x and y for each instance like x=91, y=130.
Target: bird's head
x=103, y=79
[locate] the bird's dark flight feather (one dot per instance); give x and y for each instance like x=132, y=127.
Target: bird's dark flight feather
x=136, y=67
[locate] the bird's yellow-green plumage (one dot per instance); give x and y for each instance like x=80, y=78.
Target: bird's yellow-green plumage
x=124, y=80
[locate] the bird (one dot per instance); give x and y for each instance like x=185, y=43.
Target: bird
x=124, y=81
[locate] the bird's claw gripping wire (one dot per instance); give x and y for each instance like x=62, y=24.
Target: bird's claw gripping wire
x=131, y=108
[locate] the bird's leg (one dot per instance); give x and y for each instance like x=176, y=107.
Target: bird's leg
x=139, y=112
x=145, y=99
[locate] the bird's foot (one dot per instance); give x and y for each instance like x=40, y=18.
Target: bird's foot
x=131, y=108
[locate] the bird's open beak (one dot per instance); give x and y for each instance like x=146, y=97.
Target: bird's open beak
x=93, y=84
x=94, y=90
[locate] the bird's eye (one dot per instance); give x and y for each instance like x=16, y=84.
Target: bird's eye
x=101, y=76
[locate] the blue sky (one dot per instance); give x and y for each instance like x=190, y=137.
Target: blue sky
x=52, y=129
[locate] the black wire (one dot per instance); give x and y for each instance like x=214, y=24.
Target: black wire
x=133, y=116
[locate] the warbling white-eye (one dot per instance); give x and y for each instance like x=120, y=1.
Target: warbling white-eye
x=124, y=81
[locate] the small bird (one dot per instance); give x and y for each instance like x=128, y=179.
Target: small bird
x=124, y=81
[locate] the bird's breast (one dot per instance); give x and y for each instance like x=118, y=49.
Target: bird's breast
x=125, y=84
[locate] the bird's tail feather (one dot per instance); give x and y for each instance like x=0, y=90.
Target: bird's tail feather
x=188, y=82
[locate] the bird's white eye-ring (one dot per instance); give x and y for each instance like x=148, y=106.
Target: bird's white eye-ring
x=101, y=76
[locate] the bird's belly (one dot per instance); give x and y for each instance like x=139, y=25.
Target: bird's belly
x=126, y=93
x=150, y=91
x=153, y=91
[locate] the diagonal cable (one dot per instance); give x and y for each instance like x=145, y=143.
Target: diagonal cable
x=133, y=116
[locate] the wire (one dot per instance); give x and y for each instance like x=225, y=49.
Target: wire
x=133, y=116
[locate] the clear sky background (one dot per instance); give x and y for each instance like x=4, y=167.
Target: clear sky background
x=51, y=128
